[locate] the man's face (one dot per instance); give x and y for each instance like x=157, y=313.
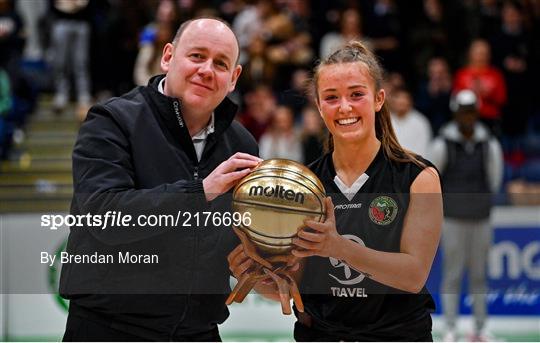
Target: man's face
x=401, y=103
x=466, y=120
x=479, y=53
x=201, y=67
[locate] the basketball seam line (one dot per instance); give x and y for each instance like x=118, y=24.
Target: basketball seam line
x=261, y=234
x=284, y=209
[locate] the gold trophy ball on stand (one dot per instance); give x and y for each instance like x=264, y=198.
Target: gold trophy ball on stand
x=278, y=196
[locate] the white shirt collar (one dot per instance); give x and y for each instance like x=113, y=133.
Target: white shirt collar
x=203, y=134
x=161, y=86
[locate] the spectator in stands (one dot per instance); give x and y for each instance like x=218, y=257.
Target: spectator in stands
x=434, y=93
x=11, y=42
x=300, y=46
x=288, y=41
x=71, y=48
x=350, y=29
x=486, y=81
x=281, y=140
x=5, y=93
x=512, y=52
x=312, y=134
x=411, y=127
x=524, y=189
x=147, y=63
x=325, y=17
x=153, y=38
x=18, y=96
x=260, y=105
x=533, y=9
x=116, y=45
x=431, y=35
x=488, y=17
x=470, y=161
x=32, y=14
x=383, y=27
x=296, y=97
x=5, y=107
x=393, y=81
x=229, y=9
x=257, y=68
x=248, y=25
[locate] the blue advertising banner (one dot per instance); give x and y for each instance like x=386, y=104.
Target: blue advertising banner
x=513, y=274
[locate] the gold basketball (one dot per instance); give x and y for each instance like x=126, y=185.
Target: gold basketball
x=278, y=196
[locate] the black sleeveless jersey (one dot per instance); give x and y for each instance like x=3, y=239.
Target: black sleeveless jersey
x=345, y=302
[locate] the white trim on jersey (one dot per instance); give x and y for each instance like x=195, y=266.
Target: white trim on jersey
x=350, y=192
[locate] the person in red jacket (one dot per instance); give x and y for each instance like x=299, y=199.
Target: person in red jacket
x=486, y=81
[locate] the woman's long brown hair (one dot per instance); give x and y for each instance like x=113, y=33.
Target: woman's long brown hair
x=356, y=52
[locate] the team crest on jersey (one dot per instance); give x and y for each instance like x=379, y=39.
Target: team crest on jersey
x=383, y=210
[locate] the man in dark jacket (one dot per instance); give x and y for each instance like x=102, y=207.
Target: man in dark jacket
x=470, y=160
x=166, y=151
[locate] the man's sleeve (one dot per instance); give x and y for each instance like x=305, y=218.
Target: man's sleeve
x=495, y=165
x=104, y=180
x=437, y=153
x=426, y=136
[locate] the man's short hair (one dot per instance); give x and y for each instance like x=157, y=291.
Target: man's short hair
x=185, y=24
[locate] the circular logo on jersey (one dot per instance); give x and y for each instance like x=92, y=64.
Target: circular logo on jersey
x=352, y=276
x=383, y=210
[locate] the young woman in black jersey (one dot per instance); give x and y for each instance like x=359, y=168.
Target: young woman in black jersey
x=364, y=269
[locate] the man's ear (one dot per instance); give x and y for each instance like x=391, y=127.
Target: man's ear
x=234, y=78
x=379, y=99
x=166, y=57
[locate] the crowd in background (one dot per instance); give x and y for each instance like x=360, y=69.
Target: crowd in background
x=88, y=50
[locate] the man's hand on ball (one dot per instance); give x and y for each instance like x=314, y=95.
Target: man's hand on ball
x=228, y=173
x=323, y=238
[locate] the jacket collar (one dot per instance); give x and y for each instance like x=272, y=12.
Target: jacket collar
x=224, y=113
x=451, y=132
x=169, y=110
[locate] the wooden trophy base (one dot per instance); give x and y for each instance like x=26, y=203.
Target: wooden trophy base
x=274, y=267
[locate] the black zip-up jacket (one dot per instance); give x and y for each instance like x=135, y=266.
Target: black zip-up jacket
x=134, y=156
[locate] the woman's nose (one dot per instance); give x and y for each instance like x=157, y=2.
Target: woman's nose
x=344, y=106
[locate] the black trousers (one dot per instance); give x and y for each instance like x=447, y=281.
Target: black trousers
x=79, y=329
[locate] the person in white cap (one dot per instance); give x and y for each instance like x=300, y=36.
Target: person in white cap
x=470, y=161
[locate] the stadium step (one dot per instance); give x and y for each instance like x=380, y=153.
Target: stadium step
x=29, y=165
x=37, y=190
x=37, y=178
x=50, y=124
x=35, y=206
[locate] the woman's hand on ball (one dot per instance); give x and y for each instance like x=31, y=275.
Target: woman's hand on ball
x=323, y=238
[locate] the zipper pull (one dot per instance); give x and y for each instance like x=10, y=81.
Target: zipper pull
x=196, y=173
